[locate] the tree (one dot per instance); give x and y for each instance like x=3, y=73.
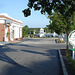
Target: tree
x=73, y=21
x=46, y=6
x=57, y=23
x=63, y=7
x=25, y=30
x=47, y=30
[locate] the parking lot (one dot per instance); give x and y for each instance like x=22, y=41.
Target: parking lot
x=31, y=57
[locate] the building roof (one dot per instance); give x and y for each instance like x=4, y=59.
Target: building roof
x=5, y=15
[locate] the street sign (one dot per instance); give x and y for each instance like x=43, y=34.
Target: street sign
x=73, y=49
x=71, y=39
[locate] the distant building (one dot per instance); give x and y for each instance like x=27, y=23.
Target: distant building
x=52, y=35
x=55, y=34
x=42, y=33
x=10, y=29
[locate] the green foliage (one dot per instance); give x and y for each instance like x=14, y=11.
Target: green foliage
x=62, y=23
x=65, y=7
x=70, y=59
x=59, y=41
x=27, y=11
x=73, y=22
x=25, y=30
x=47, y=30
x=57, y=23
x=34, y=29
x=29, y=31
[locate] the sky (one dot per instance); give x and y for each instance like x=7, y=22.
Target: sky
x=14, y=9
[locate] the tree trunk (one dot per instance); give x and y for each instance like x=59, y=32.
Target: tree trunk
x=67, y=42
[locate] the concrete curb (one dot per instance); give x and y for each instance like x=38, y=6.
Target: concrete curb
x=3, y=43
x=62, y=63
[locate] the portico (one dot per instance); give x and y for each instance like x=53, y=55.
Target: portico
x=10, y=29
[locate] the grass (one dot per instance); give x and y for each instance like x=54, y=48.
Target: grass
x=70, y=59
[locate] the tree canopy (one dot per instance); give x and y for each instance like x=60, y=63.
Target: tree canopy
x=65, y=7
x=57, y=23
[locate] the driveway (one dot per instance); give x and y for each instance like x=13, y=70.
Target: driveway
x=31, y=57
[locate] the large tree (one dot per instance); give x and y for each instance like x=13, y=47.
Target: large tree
x=63, y=7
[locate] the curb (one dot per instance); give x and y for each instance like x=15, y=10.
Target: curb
x=62, y=63
x=3, y=43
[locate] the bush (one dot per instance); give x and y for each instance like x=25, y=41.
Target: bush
x=59, y=41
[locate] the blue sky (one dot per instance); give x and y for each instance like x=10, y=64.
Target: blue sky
x=14, y=9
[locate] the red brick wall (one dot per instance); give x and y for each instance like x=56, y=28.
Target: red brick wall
x=2, y=32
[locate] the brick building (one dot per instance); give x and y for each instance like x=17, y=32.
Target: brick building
x=10, y=29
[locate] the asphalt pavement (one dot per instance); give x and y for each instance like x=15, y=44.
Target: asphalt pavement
x=31, y=57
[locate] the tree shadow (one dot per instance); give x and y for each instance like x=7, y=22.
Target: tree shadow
x=46, y=67
x=17, y=44
x=15, y=69
x=12, y=68
x=38, y=68
x=34, y=52
x=4, y=57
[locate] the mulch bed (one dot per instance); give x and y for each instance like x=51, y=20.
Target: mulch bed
x=68, y=65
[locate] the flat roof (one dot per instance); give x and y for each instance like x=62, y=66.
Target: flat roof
x=5, y=15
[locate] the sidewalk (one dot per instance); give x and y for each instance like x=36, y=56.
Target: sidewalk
x=4, y=43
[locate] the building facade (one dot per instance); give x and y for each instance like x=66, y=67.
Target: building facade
x=42, y=33
x=10, y=29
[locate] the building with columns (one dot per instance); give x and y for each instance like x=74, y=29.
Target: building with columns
x=10, y=29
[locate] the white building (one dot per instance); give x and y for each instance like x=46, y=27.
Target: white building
x=10, y=29
x=42, y=33
x=55, y=34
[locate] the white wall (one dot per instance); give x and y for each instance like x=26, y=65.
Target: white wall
x=6, y=30
x=20, y=32
x=17, y=29
x=2, y=21
x=11, y=33
x=42, y=35
x=16, y=32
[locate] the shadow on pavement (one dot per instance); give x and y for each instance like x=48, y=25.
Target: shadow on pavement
x=46, y=67
x=15, y=69
x=4, y=57
x=33, y=52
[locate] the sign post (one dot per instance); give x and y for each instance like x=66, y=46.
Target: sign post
x=71, y=39
x=73, y=54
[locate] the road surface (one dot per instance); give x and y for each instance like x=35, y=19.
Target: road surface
x=31, y=57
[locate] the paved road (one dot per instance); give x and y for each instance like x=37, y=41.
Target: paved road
x=31, y=57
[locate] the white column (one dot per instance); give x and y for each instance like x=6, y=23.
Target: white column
x=6, y=30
